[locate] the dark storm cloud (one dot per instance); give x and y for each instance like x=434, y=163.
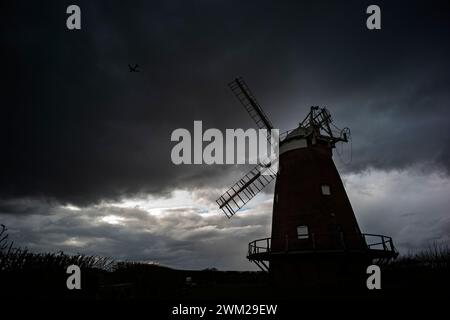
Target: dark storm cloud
x=78, y=128
x=178, y=238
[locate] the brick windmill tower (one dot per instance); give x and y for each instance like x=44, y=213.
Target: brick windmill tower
x=316, y=240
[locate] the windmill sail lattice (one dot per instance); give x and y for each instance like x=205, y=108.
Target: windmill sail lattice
x=248, y=100
x=261, y=175
x=245, y=189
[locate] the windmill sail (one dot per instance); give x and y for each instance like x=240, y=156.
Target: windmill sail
x=261, y=175
x=245, y=189
x=248, y=100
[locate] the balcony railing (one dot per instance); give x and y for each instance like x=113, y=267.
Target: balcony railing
x=323, y=242
x=379, y=242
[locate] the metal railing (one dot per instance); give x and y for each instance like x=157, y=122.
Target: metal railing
x=318, y=242
x=259, y=246
x=379, y=242
x=285, y=134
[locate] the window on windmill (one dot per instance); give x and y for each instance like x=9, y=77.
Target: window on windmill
x=302, y=232
x=276, y=198
x=326, y=190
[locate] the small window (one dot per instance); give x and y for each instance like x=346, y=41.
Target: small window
x=326, y=190
x=302, y=232
x=276, y=198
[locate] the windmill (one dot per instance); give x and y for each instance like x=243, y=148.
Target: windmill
x=315, y=234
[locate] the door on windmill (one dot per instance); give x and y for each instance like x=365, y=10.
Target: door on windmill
x=336, y=236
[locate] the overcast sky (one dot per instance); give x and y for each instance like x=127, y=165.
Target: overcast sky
x=85, y=163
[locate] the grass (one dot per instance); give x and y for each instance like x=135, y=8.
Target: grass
x=436, y=256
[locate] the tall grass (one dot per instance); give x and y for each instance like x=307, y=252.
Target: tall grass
x=21, y=259
x=435, y=256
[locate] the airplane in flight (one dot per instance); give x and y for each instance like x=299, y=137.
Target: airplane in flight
x=133, y=69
